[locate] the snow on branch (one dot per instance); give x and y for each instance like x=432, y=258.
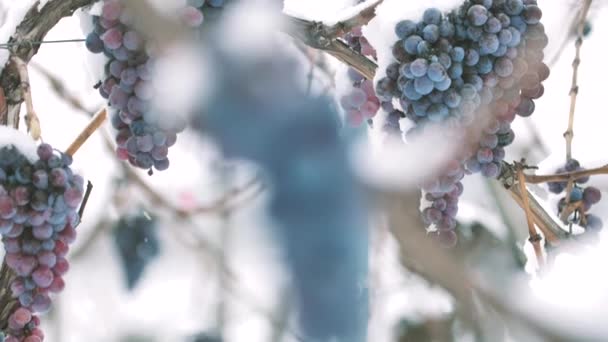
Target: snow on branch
x=324, y=37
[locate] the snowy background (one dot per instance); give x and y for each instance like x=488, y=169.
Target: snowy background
x=179, y=292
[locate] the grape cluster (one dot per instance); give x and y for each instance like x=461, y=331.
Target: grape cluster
x=137, y=242
x=361, y=102
x=441, y=199
x=587, y=196
x=38, y=216
x=143, y=137
x=471, y=70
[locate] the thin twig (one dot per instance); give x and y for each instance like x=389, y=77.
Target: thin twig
x=227, y=201
x=569, y=186
x=570, y=33
x=31, y=119
x=320, y=63
x=536, y=140
x=569, y=134
x=93, y=125
x=570, y=208
x=565, y=176
x=85, y=199
x=535, y=238
x=320, y=34
x=553, y=234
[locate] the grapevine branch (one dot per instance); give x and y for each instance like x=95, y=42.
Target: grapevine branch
x=553, y=233
x=31, y=119
x=569, y=134
x=565, y=176
x=34, y=27
x=85, y=199
x=325, y=37
x=535, y=238
x=570, y=33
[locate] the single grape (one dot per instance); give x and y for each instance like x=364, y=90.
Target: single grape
x=112, y=38
x=477, y=15
x=592, y=195
x=432, y=16
x=94, y=43
x=405, y=28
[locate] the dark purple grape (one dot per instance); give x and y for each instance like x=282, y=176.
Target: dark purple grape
x=162, y=164
x=592, y=195
x=94, y=43
x=112, y=38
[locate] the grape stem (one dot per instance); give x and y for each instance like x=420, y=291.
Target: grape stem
x=566, y=176
x=554, y=235
x=570, y=33
x=93, y=125
x=31, y=119
x=319, y=34
x=85, y=199
x=534, y=238
x=569, y=134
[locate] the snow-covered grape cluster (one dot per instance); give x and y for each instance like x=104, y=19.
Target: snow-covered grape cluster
x=471, y=70
x=143, y=137
x=38, y=216
x=587, y=196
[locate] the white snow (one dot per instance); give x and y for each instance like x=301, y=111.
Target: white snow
x=179, y=81
x=189, y=277
x=23, y=142
x=317, y=10
x=395, y=165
